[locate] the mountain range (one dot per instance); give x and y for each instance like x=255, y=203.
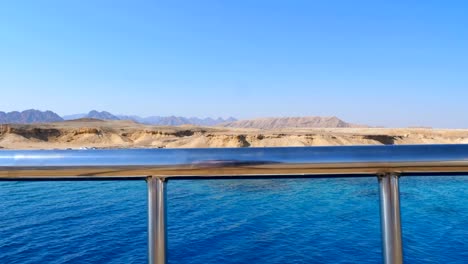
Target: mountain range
x=153, y=120
x=36, y=116
x=92, y=114
x=291, y=122
x=28, y=117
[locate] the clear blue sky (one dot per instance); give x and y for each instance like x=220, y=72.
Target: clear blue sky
x=391, y=63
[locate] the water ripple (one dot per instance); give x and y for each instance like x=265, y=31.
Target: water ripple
x=231, y=221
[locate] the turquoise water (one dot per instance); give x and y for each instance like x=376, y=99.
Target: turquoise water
x=232, y=221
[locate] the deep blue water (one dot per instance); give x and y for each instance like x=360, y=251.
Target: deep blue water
x=232, y=221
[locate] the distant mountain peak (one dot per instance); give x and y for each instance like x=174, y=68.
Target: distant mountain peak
x=94, y=114
x=104, y=115
x=29, y=116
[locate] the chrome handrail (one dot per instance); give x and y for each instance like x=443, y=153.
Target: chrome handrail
x=158, y=166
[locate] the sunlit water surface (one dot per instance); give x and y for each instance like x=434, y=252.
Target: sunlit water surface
x=232, y=221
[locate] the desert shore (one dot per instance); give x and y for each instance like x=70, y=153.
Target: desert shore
x=126, y=134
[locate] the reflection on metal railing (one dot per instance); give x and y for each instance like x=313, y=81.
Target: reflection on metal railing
x=157, y=166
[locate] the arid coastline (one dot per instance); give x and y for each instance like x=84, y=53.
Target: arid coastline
x=90, y=133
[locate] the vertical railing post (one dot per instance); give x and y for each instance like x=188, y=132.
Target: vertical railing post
x=390, y=218
x=157, y=242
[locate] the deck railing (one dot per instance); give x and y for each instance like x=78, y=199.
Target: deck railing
x=157, y=166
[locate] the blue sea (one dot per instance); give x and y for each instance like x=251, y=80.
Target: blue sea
x=232, y=221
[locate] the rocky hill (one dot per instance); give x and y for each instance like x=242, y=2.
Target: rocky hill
x=29, y=117
x=291, y=122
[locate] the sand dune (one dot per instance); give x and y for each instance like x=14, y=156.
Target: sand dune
x=126, y=134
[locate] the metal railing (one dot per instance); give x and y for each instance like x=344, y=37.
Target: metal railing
x=157, y=166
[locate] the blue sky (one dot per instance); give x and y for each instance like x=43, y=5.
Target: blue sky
x=389, y=63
